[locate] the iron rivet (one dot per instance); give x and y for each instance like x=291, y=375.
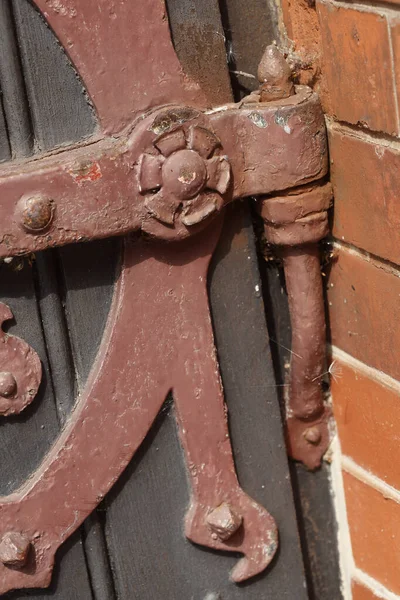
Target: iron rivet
x=8, y=385
x=223, y=522
x=37, y=213
x=313, y=435
x=14, y=549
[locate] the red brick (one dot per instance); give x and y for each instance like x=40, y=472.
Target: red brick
x=364, y=304
x=302, y=27
x=395, y=31
x=366, y=180
x=374, y=523
x=367, y=415
x=362, y=593
x=357, y=66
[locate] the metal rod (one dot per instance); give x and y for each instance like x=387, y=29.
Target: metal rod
x=304, y=288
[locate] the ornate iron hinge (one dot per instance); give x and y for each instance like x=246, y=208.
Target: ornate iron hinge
x=167, y=170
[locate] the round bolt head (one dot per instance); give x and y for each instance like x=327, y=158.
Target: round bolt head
x=36, y=213
x=313, y=435
x=8, y=385
x=14, y=549
x=184, y=174
x=223, y=522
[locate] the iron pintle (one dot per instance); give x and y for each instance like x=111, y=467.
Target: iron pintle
x=274, y=75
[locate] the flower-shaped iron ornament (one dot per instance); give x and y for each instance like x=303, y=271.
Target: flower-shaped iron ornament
x=184, y=182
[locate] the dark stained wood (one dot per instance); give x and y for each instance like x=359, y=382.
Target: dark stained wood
x=249, y=27
x=5, y=153
x=13, y=88
x=55, y=333
x=319, y=532
x=88, y=271
x=60, y=111
x=199, y=41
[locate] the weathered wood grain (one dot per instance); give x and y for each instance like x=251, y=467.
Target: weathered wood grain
x=199, y=41
x=5, y=152
x=249, y=28
x=59, y=108
x=13, y=87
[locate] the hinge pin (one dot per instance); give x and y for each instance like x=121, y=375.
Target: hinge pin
x=274, y=75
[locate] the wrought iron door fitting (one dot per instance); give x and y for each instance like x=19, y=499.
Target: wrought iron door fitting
x=166, y=166
x=296, y=221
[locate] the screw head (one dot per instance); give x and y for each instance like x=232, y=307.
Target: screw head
x=223, y=522
x=36, y=213
x=8, y=384
x=14, y=549
x=313, y=435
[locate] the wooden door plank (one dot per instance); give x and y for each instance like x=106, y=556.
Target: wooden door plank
x=250, y=27
x=89, y=272
x=203, y=59
x=60, y=109
x=5, y=152
x=13, y=87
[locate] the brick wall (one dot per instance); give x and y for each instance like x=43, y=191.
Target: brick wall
x=351, y=53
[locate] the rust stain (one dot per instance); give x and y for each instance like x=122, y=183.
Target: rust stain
x=86, y=172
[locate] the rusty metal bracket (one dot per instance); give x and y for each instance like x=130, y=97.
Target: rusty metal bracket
x=165, y=164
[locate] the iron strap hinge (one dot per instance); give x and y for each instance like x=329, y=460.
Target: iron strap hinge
x=169, y=174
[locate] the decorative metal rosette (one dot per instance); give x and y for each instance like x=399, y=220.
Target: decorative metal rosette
x=184, y=181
